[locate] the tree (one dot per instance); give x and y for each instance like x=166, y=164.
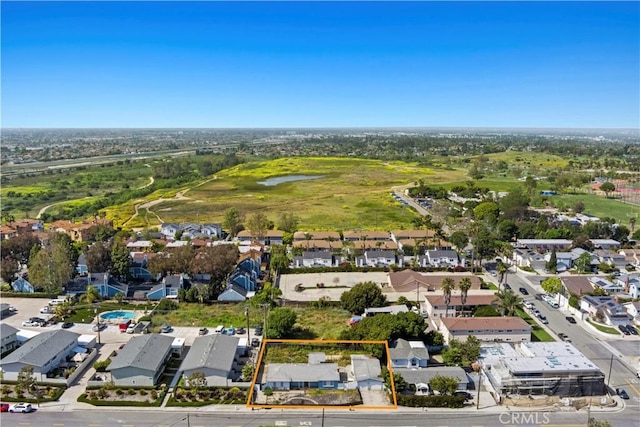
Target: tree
x=502, y=269
x=462, y=353
x=361, y=296
x=552, y=264
x=217, y=262
x=508, y=301
x=485, y=311
x=258, y=224
x=120, y=260
x=598, y=423
x=281, y=322
x=25, y=380
x=8, y=269
x=247, y=372
x=443, y=385
x=486, y=211
x=608, y=188
x=409, y=326
x=484, y=246
x=552, y=286
x=459, y=239
x=52, y=267
x=583, y=263
x=447, y=286
x=578, y=207
x=515, y=205
x=464, y=286
x=92, y=295
x=288, y=222
x=197, y=379
x=98, y=258
x=267, y=295
x=233, y=220
x=582, y=242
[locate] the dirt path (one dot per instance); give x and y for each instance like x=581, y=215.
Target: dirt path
x=180, y=195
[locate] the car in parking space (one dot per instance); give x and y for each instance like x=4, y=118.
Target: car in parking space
x=165, y=329
x=229, y=331
x=66, y=325
x=4, y=407
x=46, y=310
x=632, y=329
x=528, y=304
x=524, y=291
x=258, y=331
x=97, y=327
x=571, y=319
x=21, y=407
x=624, y=330
x=203, y=331
x=542, y=317
x=255, y=342
x=622, y=393
x=241, y=331
x=30, y=323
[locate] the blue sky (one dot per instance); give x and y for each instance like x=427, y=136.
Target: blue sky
x=324, y=64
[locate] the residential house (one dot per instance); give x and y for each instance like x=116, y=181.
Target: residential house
x=214, y=356
x=633, y=309
x=408, y=354
x=381, y=245
x=107, y=286
x=440, y=258
x=169, y=230
x=27, y=226
x=8, y=338
x=541, y=368
x=435, y=306
x=366, y=372
x=45, y=351
x=630, y=283
x=606, y=244
x=420, y=378
x=168, y=286
x=21, y=284
x=574, y=286
x=610, y=257
x=368, y=235
x=319, y=245
x=632, y=257
x=82, y=232
x=141, y=361
x=271, y=237
x=314, y=259
x=138, y=267
x=81, y=265
x=212, y=230
x=140, y=246
x=7, y=232
x=329, y=236
x=524, y=257
x=509, y=329
x=392, y=309
x=374, y=258
x=234, y=293
x=609, y=287
x=605, y=309
x=291, y=376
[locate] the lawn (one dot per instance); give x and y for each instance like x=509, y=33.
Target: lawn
x=538, y=333
x=603, y=207
x=605, y=329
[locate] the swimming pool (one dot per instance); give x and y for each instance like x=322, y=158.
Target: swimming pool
x=118, y=315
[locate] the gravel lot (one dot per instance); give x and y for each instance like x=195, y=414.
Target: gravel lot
x=334, y=284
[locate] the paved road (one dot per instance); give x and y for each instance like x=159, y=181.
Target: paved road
x=242, y=417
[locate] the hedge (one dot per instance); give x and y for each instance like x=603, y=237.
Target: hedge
x=99, y=402
x=439, y=401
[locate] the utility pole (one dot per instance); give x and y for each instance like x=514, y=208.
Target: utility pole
x=479, y=385
x=610, y=366
x=246, y=313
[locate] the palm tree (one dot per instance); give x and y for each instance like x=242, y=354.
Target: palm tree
x=92, y=295
x=507, y=301
x=464, y=286
x=502, y=270
x=447, y=286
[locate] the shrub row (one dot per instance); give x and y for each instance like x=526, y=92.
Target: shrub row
x=439, y=401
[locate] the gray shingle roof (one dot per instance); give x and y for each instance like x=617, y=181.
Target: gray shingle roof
x=41, y=348
x=144, y=352
x=6, y=330
x=211, y=351
x=404, y=350
x=365, y=368
x=288, y=372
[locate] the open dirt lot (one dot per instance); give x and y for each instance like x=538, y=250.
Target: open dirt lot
x=334, y=284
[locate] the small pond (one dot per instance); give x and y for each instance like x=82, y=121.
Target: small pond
x=288, y=178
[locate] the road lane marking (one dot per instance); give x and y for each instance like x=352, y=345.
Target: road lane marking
x=633, y=387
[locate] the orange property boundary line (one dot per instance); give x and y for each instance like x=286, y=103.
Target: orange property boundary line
x=266, y=342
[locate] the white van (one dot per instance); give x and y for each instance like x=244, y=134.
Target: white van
x=219, y=329
x=57, y=301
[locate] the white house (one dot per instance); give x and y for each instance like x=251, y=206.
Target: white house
x=214, y=356
x=141, y=361
x=366, y=372
x=408, y=354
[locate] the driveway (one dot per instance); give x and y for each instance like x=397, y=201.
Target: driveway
x=374, y=398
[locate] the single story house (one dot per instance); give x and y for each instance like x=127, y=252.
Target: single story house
x=141, y=361
x=234, y=292
x=605, y=309
x=366, y=372
x=45, y=351
x=214, y=356
x=313, y=259
x=291, y=376
x=392, y=309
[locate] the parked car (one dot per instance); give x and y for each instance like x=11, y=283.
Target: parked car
x=258, y=330
x=219, y=329
x=131, y=328
x=255, y=342
x=203, y=331
x=524, y=291
x=229, y=331
x=624, y=330
x=241, y=331
x=46, y=310
x=622, y=393
x=571, y=319
x=638, y=374
x=97, y=327
x=12, y=309
x=632, y=329
x=21, y=407
x=30, y=323
x=66, y=325
x=507, y=286
x=528, y=304
x=465, y=394
x=4, y=407
x=543, y=318
x=564, y=337
x=165, y=329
